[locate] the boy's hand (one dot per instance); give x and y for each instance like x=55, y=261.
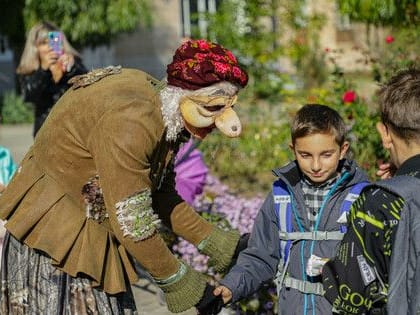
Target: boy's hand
x=225, y=293
x=210, y=304
x=386, y=170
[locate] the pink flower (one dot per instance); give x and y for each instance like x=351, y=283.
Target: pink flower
x=200, y=56
x=231, y=57
x=389, y=39
x=327, y=50
x=203, y=45
x=236, y=72
x=221, y=67
x=349, y=96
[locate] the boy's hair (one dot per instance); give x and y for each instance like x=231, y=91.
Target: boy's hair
x=399, y=103
x=315, y=118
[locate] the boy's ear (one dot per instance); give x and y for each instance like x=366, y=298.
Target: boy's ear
x=291, y=147
x=344, y=148
x=385, y=135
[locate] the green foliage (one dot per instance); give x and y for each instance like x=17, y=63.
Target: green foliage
x=90, y=22
x=250, y=29
x=403, y=51
x=382, y=12
x=253, y=30
x=303, y=48
x=15, y=110
x=245, y=162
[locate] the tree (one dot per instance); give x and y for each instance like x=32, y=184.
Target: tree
x=90, y=22
x=382, y=12
x=263, y=31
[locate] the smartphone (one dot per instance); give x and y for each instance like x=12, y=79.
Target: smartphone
x=55, y=41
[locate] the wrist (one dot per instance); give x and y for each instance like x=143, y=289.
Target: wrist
x=184, y=289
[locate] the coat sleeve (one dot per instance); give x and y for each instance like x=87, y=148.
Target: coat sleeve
x=258, y=262
x=121, y=145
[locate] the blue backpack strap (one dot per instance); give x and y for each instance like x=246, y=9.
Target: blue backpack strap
x=350, y=198
x=283, y=209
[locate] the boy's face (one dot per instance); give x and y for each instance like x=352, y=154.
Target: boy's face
x=318, y=156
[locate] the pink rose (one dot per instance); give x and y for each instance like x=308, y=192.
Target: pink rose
x=349, y=96
x=389, y=39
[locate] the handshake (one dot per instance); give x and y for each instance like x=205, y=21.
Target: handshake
x=214, y=298
x=210, y=304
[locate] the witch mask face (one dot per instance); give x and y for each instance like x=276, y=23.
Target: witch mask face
x=201, y=113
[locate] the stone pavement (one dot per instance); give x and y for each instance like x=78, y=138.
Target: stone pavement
x=18, y=138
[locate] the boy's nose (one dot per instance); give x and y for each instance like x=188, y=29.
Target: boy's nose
x=316, y=165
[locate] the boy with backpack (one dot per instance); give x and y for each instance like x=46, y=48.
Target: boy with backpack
x=304, y=215
x=381, y=275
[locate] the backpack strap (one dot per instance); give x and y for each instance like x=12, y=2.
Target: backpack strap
x=315, y=235
x=350, y=198
x=283, y=210
x=282, y=207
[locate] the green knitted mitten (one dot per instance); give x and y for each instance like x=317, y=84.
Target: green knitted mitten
x=184, y=289
x=219, y=246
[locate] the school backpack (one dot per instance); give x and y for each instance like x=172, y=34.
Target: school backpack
x=284, y=213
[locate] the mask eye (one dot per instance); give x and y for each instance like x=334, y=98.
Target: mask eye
x=214, y=108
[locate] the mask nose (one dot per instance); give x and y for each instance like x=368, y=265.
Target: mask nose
x=228, y=123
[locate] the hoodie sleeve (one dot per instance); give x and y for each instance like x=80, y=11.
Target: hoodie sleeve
x=258, y=262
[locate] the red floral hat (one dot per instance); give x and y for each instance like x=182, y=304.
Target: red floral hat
x=199, y=63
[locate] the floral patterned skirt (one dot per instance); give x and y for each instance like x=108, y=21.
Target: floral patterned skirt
x=31, y=285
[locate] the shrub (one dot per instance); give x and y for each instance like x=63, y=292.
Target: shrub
x=15, y=110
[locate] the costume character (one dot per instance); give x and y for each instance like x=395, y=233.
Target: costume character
x=90, y=194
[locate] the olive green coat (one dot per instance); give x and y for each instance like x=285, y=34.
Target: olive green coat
x=112, y=129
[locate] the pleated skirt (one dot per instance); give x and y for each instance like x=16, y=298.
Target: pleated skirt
x=30, y=284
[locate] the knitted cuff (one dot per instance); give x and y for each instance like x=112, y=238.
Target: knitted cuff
x=219, y=246
x=184, y=289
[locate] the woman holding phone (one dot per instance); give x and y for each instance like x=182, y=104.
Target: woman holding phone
x=48, y=61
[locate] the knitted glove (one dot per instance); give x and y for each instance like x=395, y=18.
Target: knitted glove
x=220, y=247
x=184, y=289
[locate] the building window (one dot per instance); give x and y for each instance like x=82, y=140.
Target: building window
x=194, y=19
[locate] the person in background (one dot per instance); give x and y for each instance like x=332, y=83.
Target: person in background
x=381, y=272
x=302, y=219
x=98, y=183
x=44, y=72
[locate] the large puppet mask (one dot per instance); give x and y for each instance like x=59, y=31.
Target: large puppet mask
x=202, y=113
x=210, y=78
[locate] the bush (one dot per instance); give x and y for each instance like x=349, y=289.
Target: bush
x=15, y=110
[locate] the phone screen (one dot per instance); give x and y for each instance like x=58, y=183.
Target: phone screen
x=55, y=41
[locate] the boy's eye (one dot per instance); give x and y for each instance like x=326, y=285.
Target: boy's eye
x=304, y=155
x=327, y=155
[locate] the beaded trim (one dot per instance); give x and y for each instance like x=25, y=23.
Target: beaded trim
x=83, y=80
x=136, y=216
x=94, y=200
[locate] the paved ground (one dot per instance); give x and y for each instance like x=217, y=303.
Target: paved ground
x=18, y=138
